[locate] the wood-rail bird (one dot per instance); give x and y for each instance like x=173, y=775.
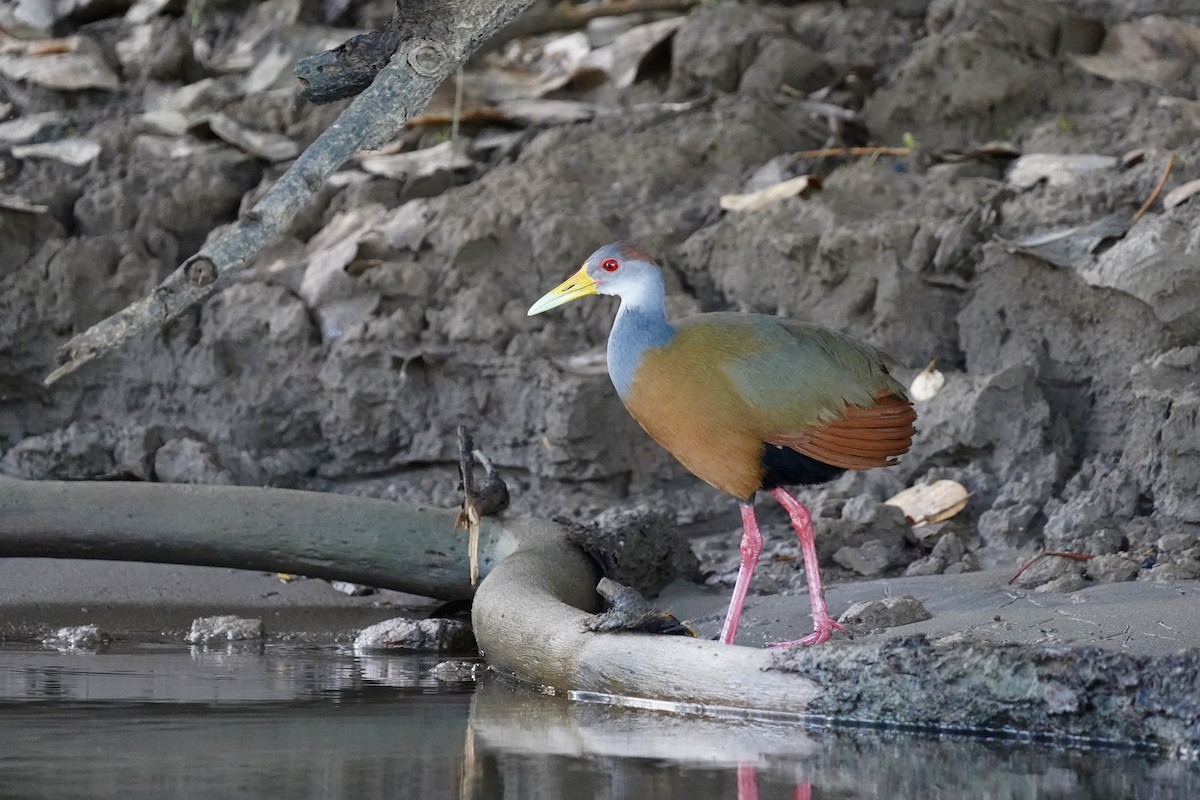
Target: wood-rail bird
x=747, y=402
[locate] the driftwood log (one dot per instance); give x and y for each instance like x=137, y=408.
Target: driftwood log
x=528, y=611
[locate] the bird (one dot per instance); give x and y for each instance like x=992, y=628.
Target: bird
x=747, y=403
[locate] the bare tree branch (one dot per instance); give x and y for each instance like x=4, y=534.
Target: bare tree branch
x=350, y=67
x=438, y=36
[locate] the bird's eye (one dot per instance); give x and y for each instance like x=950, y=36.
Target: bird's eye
x=609, y=265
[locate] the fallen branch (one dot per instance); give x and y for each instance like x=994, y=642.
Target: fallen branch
x=438, y=37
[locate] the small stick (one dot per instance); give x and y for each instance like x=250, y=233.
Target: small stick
x=1040, y=556
x=489, y=498
x=829, y=152
x=1158, y=189
x=458, y=105
x=469, y=115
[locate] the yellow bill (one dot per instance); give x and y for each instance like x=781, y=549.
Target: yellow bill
x=578, y=285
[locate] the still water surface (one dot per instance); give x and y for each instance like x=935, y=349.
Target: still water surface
x=152, y=721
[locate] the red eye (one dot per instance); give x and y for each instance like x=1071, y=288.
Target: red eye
x=609, y=265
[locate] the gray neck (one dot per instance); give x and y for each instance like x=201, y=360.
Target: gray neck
x=638, y=327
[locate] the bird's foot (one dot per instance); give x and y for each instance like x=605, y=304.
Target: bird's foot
x=822, y=631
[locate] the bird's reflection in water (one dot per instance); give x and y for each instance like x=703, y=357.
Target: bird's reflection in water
x=521, y=744
x=747, y=784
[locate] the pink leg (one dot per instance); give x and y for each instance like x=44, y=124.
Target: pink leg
x=747, y=781
x=823, y=624
x=752, y=544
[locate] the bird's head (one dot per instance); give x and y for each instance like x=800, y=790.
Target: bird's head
x=620, y=268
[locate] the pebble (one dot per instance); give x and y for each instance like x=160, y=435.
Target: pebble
x=412, y=634
x=225, y=628
x=886, y=613
x=77, y=636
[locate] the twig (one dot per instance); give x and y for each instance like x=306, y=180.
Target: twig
x=439, y=37
x=468, y=515
x=490, y=498
x=1158, y=189
x=831, y=152
x=467, y=116
x=1040, y=556
x=458, y=105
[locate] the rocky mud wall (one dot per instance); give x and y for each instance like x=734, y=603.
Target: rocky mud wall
x=393, y=311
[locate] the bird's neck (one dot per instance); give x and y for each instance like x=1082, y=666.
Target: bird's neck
x=641, y=324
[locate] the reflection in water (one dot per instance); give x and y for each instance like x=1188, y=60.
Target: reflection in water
x=248, y=722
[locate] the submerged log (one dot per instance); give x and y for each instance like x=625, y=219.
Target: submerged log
x=528, y=613
x=361, y=540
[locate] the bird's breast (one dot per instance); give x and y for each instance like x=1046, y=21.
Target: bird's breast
x=689, y=407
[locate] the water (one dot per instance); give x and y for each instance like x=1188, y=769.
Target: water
x=152, y=721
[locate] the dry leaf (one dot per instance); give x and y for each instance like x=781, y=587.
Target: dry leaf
x=145, y=10
x=75, y=152
x=13, y=202
x=524, y=72
x=931, y=502
x=928, y=382
x=624, y=58
x=560, y=59
x=1056, y=169
x=68, y=64
x=1181, y=194
x=1155, y=50
x=168, y=123
x=1070, y=247
x=416, y=163
x=268, y=146
x=405, y=228
x=547, y=112
x=337, y=298
x=756, y=201
x=1134, y=157
x=30, y=126
x=1181, y=106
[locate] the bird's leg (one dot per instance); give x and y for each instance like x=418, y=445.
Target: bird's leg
x=823, y=624
x=752, y=544
x=747, y=781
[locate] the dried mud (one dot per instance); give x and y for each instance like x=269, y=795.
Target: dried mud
x=393, y=311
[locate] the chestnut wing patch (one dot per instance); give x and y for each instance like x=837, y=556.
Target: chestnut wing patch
x=861, y=438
